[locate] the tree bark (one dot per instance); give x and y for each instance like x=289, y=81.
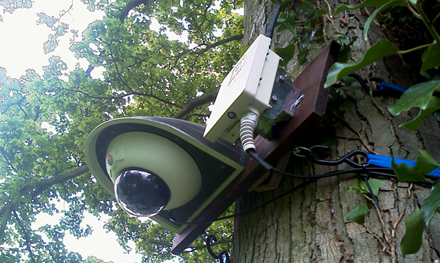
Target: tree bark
x=310, y=224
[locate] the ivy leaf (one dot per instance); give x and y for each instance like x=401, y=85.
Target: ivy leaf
x=437, y=115
x=424, y=165
x=378, y=11
x=362, y=188
x=374, y=184
x=421, y=96
x=431, y=203
x=412, y=240
x=380, y=49
x=414, y=124
x=430, y=57
x=286, y=53
x=406, y=173
x=367, y=3
x=358, y=214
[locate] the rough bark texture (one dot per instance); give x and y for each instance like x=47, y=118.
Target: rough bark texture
x=310, y=225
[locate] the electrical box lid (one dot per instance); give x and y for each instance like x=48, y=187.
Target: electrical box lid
x=249, y=83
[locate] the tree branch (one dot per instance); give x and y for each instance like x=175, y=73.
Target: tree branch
x=89, y=71
x=5, y=213
x=191, y=105
x=35, y=189
x=47, y=183
x=26, y=236
x=13, y=103
x=192, y=249
x=207, y=47
x=130, y=5
x=125, y=95
x=216, y=44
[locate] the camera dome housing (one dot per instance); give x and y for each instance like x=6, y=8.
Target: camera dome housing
x=141, y=193
x=159, y=156
x=193, y=169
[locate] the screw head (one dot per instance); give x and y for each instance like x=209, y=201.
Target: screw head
x=232, y=115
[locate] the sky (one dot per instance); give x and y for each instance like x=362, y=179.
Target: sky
x=21, y=48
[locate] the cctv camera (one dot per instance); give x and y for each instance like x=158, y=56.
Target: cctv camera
x=150, y=173
x=152, y=165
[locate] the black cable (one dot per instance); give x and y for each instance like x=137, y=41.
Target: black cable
x=221, y=254
x=376, y=171
x=273, y=21
x=361, y=81
x=269, y=167
x=364, y=176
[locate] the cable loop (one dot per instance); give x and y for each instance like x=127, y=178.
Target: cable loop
x=222, y=256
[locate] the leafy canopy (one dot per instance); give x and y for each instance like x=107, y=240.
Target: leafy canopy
x=44, y=120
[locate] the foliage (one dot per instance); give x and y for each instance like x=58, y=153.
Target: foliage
x=424, y=165
x=414, y=223
x=377, y=51
x=358, y=214
x=305, y=26
x=44, y=120
x=412, y=240
x=422, y=95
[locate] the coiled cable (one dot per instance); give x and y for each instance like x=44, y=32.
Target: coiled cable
x=248, y=123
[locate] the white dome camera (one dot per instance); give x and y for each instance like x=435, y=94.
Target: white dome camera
x=151, y=173
x=152, y=165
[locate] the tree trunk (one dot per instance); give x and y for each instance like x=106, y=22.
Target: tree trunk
x=310, y=225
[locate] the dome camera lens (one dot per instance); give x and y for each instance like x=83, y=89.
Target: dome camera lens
x=141, y=193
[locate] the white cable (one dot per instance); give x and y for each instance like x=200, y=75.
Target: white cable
x=248, y=123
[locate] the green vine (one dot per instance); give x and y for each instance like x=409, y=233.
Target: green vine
x=306, y=24
x=422, y=96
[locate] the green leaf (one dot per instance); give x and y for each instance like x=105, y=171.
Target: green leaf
x=358, y=214
x=367, y=3
x=286, y=53
x=431, y=203
x=431, y=57
x=380, y=49
x=412, y=240
x=437, y=115
x=362, y=188
x=414, y=124
x=375, y=184
x=420, y=96
x=424, y=165
x=406, y=173
x=378, y=11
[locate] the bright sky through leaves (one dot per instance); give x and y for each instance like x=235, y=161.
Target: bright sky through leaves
x=21, y=48
x=67, y=103
x=22, y=42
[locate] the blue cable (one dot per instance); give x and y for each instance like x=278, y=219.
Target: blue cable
x=385, y=161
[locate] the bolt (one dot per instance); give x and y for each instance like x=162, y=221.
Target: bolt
x=296, y=102
x=274, y=98
x=281, y=79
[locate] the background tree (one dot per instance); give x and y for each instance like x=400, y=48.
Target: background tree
x=46, y=119
x=310, y=224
